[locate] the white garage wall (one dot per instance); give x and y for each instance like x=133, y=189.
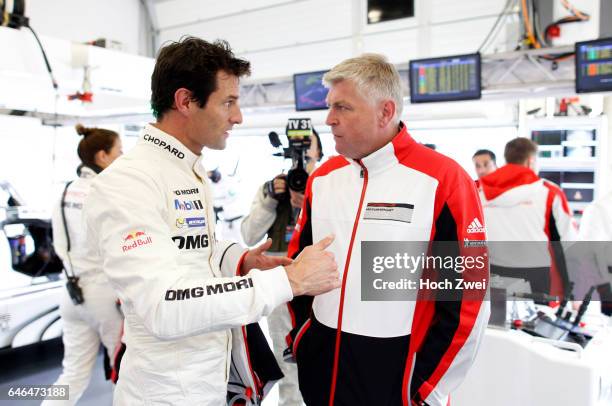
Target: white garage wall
x=86, y=20
x=284, y=37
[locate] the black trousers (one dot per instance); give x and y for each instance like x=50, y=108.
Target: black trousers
x=370, y=369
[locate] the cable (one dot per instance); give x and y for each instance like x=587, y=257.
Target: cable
x=509, y=4
x=574, y=11
x=528, y=26
x=536, y=24
x=53, y=81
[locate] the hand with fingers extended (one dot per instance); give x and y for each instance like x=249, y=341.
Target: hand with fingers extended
x=256, y=259
x=314, y=271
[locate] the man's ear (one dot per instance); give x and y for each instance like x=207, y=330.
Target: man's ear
x=387, y=112
x=182, y=98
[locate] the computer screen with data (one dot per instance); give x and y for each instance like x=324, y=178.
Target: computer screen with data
x=594, y=66
x=448, y=78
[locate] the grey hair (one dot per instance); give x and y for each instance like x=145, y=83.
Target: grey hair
x=376, y=78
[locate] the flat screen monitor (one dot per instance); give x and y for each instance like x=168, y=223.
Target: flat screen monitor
x=448, y=78
x=310, y=93
x=594, y=66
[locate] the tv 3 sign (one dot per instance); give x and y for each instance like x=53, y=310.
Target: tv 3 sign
x=299, y=127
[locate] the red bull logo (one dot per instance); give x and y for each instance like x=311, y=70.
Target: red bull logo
x=133, y=235
x=135, y=239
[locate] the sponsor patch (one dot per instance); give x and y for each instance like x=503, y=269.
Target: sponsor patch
x=190, y=222
x=209, y=290
x=135, y=239
x=187, y=205
x=389, y=211
x=164, y=145
x=475, y=227
x=191, y=242
x=182, y=192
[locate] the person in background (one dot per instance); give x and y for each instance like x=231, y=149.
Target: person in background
x=484, y=162
x=273, y=212
x=521, y=207
x=97, y=319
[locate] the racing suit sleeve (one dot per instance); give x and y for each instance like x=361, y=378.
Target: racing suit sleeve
x=260, y=218
x=60, y=243
x=125, y=214
x=447, y=331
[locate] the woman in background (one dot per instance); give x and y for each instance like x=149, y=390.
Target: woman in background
x=97, y=319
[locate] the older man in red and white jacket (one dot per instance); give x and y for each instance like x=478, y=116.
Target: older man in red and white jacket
x=383, y=187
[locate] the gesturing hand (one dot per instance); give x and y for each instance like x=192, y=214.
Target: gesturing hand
x=256, y=259
x=314, y=271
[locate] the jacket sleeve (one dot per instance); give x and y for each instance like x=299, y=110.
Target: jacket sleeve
x=60, y=243
x=447, y=331
x=566, y=225
x=260, y=218
x=125, y=214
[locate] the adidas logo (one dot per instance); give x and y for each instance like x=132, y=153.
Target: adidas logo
x=475, y=227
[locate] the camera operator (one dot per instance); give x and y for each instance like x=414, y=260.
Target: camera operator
x=273, y=212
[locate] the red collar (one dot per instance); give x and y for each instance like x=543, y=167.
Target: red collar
x=505, y=178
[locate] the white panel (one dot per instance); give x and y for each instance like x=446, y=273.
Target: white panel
x=288, y=25
x=452, y=10
x=170, y=13
x=86, y=20
x=26, y=85
x=398, y=46
x=287, y=61
x=460, y=37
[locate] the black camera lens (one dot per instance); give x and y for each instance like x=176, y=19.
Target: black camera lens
x=296, y=179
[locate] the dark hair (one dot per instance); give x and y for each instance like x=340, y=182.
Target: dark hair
x=519, y=150
x=191, y=63
x=94, y=140
x=319, y=145
x=485, y=152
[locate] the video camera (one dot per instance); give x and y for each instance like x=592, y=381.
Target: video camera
x=299, y=132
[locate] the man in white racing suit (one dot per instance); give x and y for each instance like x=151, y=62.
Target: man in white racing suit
x=182, y=290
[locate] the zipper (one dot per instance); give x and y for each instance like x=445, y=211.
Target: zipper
x=363, y=175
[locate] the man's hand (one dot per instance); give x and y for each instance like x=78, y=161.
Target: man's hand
x=297, y=199
x=256, y=259
x=314, y=271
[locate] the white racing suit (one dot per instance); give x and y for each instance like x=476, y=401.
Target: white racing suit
x=96, y=320
x=154, y=226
